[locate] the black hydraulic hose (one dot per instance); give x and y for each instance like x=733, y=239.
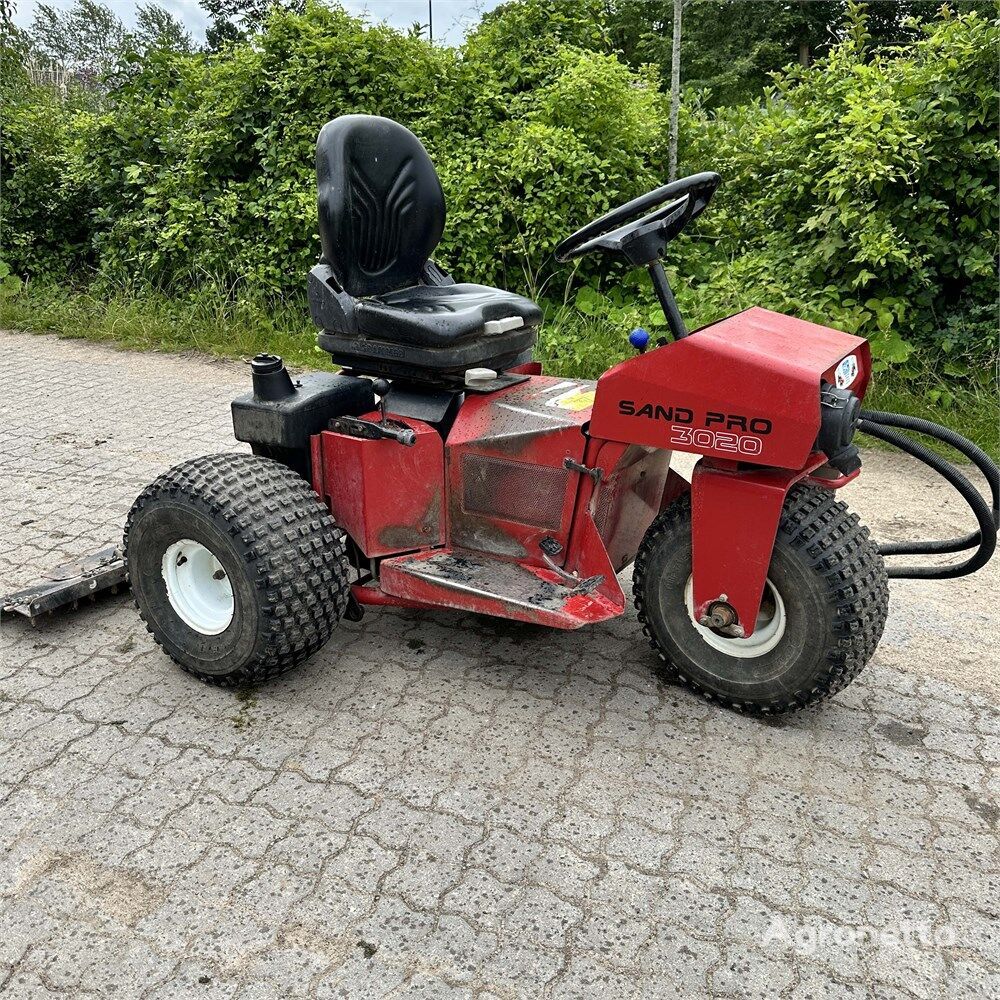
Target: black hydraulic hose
x=972, y=451
x=961, y=444
x=884, y=426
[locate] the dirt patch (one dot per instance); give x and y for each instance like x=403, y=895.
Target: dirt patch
x=902, y=735
x=116, y=894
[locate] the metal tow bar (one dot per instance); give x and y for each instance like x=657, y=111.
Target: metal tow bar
x=68, y=584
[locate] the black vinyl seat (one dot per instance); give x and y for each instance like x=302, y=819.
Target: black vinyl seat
x=436, y=315
x=383, y=307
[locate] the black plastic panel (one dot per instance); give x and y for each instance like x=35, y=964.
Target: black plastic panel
x=289, y=422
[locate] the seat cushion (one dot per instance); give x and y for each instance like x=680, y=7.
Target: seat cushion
x=440, y=315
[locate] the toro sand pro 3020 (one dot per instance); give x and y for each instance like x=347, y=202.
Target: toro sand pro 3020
x=477, y=483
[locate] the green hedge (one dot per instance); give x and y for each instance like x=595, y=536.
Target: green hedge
x=864, y=192
x=860, y=192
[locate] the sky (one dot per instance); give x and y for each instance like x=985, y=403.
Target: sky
x=452, y=18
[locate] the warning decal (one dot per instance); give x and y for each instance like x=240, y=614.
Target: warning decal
x=847, y=371
x=576, y=399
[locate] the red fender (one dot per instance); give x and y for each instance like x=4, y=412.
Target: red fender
x=745, y=394
x=735, y=514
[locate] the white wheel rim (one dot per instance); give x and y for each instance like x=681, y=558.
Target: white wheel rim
x=768, y=631
x=197, y=587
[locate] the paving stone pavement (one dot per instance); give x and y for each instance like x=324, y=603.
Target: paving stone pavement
x=454, y=806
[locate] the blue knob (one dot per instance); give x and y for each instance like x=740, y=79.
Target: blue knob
x=639, y=339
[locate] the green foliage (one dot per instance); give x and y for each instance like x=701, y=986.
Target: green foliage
x=10, y=284
x=45, y=225
x=87, y=37
x=207, y=165
x=860, y=192
x=214, y=320
x=229, y=323
x=730, y=48
x=158, y=29
x=863, y=192
x=203, y=165
x=516, y=42
x=13, y=77
x=921, y=388
x=86, y=45
x=234, y=20
x=588, y=136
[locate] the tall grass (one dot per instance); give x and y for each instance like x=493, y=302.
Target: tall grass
x=219, y=322
x=970, y=406
x=212, y=321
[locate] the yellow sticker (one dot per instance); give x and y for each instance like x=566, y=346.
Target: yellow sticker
x=576, y=399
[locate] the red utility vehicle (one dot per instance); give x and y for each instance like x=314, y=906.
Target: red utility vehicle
x=442, y=469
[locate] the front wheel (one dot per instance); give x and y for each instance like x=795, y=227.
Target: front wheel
x=238, y=570
x=822, y=613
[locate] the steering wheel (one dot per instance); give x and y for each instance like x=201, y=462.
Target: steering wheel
x=639, y=230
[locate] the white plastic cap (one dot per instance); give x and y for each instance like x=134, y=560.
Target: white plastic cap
x=479, y=375
x=495, y=326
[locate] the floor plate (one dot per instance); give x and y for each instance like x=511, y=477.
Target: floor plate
x=475, y=582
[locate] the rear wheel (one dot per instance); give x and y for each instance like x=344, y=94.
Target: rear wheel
x=237, y=569
x=822, y=613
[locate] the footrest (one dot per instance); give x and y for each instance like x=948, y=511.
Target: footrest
x=470, y=581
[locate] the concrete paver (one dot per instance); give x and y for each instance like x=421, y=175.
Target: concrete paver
x=447, y=805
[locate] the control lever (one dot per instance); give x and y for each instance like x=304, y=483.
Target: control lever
x=371, y=430
x=381, y=387
x=375, y=431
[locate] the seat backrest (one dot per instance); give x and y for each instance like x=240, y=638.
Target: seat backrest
x=381, y=207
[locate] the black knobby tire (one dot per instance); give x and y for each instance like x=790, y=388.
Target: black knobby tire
x=282, y=552
x=835, y=592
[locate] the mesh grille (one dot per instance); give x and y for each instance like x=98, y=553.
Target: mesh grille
x=527, y=494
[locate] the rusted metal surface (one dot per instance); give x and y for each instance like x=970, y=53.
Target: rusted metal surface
x=507, y=483
x=372, y=594
x=471, y=581
x=68, y=583
x=586, y=554
x=386, y=496
x=628, y=498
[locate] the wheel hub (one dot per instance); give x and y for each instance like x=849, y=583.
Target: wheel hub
x=720, y=616
x=768, y=630
x=198, y=588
